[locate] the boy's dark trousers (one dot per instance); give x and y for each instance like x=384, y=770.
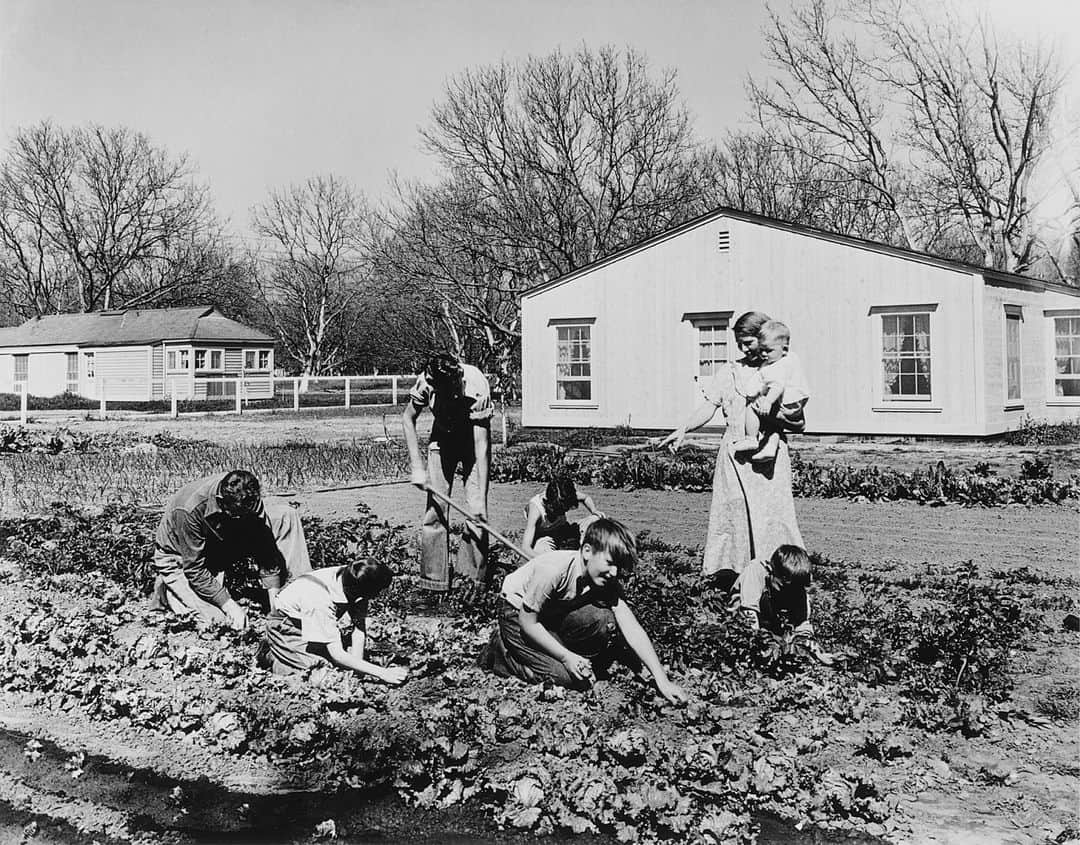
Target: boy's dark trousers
x=444, y=457
x=589, y=630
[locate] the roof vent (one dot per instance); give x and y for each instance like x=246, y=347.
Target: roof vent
x=723, y=240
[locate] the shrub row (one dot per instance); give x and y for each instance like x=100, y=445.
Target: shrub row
x=693, y=470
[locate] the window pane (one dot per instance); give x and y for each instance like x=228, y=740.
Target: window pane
x=1067, y=387
x=575, y=390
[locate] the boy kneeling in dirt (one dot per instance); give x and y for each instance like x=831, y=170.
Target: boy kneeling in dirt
x=563, y=616
x=768, y=592
x=302, y=630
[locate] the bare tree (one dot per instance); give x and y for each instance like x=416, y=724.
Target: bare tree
x=550, y=164
x=85, y=214
x=775, y=177
x=828, y=101
x=312, y=267
x=941, y=120
x=979, y=119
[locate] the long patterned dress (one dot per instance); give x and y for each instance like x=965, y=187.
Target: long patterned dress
x=753, y=511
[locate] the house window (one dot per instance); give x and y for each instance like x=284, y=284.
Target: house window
x=1013, y=321
x=88, y=361
x=1067, y=356
x=177, y=359
x=72, y=372
x=22, y=370
x=712, y=347
x=257, y=359
x=905, y=355
x=573, y=369
x=207, y=359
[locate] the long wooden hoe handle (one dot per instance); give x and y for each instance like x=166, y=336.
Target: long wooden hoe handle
x=446, y=500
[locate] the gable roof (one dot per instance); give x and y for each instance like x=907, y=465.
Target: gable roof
x=132, y=326
x=990, y=276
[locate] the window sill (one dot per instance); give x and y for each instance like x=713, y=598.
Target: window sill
x=906, y=409
x=1015, y=406
x=1059, y=402
x=582, y=405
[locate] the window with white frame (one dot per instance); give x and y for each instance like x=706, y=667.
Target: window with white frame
x=1067, y=356
x=72, y=361
x=905, y=355
x=573, y=363
x=1013, y=372
x=208, y=359
x=177, y=359
x=257, y=359
x=88, y=365
x=712, y=347
x=21, y=364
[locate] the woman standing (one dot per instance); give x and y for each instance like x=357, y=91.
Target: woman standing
x=753, y=511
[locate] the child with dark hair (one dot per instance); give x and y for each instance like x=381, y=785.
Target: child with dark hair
x=546, y=527
x=772, y=592
x=303, y=631
x=563, y=616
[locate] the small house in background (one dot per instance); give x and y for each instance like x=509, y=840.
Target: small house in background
x=137, y=354
x=894, y=342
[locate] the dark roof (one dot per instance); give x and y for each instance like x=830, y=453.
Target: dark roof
x=990, y=276
x=131, y=326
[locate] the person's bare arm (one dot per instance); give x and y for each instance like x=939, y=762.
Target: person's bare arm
x=578, y=666
x=482, y=445
x=701, y=415
x=393, y=675
x=418, y=476
x=642, y=646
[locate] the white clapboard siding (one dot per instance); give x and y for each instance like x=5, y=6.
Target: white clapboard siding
x=124, y=372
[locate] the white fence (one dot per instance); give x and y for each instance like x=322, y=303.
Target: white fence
x=238, y=394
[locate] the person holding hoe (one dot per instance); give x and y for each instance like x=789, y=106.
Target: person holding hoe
x=460, y=400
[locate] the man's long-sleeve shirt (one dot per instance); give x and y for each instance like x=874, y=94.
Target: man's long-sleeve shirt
x=196, y=539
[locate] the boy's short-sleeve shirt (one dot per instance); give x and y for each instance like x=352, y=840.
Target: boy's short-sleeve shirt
x=555, y=579
x=454, y=417
x=751, y=592
x=316, y=601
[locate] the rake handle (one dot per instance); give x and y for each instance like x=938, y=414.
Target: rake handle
x=446, y=500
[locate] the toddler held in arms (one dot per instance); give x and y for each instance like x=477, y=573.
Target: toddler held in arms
x=779, y=383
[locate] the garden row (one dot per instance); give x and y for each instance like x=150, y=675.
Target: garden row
x=766, y=730
x=107, y=468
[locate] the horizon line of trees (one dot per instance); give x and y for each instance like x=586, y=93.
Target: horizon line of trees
x=894, y=122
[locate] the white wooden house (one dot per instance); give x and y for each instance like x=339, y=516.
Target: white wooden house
x=893, y=341
x=136, y=355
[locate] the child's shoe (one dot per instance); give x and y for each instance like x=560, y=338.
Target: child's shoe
x=768, y=450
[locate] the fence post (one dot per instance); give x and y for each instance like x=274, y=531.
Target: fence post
x=502, y=411
x=239, y=398
x=393, y=390
x=23, y=403
x=296, y=394
x=101, y=398
x=348, y=398
x=175, y=410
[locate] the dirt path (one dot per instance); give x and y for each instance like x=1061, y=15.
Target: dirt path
x=1045, y=537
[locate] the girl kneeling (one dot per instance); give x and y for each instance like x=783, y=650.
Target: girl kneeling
x=303, y=632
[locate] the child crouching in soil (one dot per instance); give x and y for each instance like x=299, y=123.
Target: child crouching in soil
x=770, y=592
x=563, y=616
x=303, y=632
x=546, y=527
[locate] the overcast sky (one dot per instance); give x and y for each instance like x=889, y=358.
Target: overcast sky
x=262, y=93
